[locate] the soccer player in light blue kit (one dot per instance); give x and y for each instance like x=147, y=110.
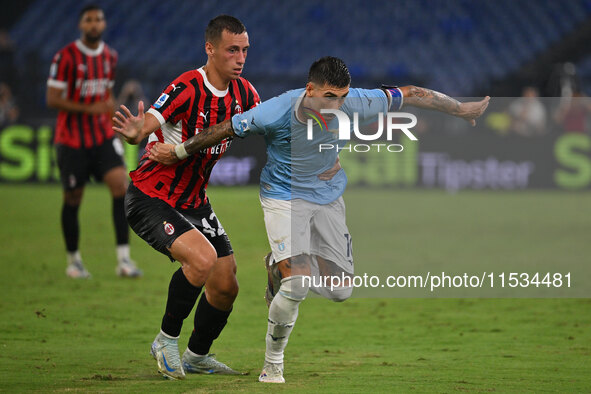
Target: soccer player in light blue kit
x=302, y=185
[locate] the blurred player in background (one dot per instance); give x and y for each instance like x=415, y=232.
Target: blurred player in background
x=301, y=187
x=80, y=86
x=167, y=205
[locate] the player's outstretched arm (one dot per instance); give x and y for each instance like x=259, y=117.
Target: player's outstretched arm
x=55, y=99
x=430, y=99
x=134, y=128
x=168, y=154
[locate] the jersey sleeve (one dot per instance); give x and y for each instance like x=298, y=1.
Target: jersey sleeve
x=174, y=103
x=59, y=71
x=262, y=119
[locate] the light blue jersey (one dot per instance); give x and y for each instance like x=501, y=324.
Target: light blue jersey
x=294, y=160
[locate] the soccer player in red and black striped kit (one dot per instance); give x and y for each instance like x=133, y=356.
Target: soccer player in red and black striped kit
x=168, y=207
x=80, y=86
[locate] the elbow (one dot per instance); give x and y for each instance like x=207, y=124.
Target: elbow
x=411, y=91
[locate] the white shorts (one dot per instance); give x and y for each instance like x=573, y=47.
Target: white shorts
x=300, y=227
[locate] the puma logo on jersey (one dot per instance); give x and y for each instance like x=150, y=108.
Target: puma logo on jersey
x=174, y=87
x=204, y=115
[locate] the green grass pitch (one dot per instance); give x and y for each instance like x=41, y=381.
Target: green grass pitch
x=57, y=334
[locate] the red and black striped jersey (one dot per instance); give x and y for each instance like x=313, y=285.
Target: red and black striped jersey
x=86, y=76
x=187, y=106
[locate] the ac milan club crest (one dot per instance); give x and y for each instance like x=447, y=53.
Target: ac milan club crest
x=168, y=228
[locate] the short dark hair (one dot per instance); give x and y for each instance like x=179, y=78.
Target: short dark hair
x=330, y=71
x=217, y=25
x=88, y=7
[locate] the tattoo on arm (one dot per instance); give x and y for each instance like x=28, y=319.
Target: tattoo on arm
x=430, y=99
x=209, y=137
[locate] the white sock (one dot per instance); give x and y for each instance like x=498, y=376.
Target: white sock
x=122, y=252
x=74, y=256
x=168, y=336
x=195, y=355
x=283, y=313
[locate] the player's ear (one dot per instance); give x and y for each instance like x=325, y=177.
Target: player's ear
x=310, y=89
x=209, y=48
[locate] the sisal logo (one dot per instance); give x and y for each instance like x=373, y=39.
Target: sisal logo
x=346, y=126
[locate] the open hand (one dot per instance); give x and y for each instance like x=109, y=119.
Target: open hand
x=331, y=172
x=473, y=109
x=129, y=126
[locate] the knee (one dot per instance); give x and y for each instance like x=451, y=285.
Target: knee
x=340, y=294
x=73, y=198
x=116, y=180
x=225, y=292
x=197, y=265
x=118, y=189
x=336, y=294
x=295, y=287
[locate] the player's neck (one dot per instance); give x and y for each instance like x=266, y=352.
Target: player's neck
x=89, y=44
x=214, y=78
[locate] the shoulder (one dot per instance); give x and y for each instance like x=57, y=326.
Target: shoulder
x=190, y=78
x=110, y=51
x=290, y=97
x=187, y=82
x=279, y=107
x=281, y=104
x=359, y=92
x=65, y=51
x=246, y=88
x=244, y=82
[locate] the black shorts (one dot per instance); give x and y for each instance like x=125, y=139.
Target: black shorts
x=78, y=164
x=160, y=225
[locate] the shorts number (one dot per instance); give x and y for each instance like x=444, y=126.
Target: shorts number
x=349, y=247
x=212, y=231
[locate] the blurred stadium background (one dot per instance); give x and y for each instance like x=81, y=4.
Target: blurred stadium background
x=466, y=48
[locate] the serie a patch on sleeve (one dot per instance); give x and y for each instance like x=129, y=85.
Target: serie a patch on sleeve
x=161, y=100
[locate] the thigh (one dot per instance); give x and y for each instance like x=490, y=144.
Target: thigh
x=331, y=239
x=288, y=227
x=206, y=221
x=73, y=166
x=116, y=180
x=296, y=265
x=193, y=249
x=154, y=220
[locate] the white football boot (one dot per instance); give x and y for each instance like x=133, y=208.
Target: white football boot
x=165, y=351
x=77, y=270
x=126, y=268
x=205, y=364
x=272, y=373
